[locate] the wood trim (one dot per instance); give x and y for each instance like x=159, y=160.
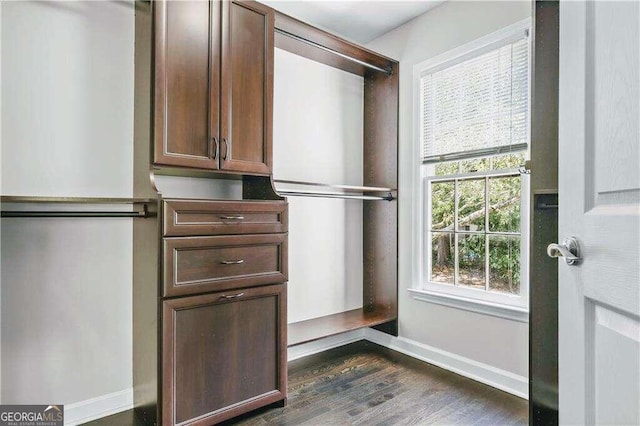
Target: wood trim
x=380, y=220
x=308, y=32
x=146, y=317
x=143, y=102
x=543, y=270
x=159, y=54
x=268, y=81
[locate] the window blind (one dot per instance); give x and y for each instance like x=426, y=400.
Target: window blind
x=477, y=107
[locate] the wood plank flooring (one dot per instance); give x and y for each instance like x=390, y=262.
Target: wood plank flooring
x=366, y=384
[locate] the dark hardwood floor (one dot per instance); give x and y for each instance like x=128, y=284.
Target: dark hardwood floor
x=366, y=384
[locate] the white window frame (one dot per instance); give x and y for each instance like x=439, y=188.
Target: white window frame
x=476, y=300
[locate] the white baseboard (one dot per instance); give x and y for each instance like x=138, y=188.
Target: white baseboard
x=306, y=349
x=95, y=408
x=91, y=409
x=483, y=373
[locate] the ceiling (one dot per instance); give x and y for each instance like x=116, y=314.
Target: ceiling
x=360, y=21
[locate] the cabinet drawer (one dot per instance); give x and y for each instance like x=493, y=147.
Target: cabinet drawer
x=225, y=354
x=194, y=217
x=200, y=264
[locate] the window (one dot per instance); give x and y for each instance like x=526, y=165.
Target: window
x=473, y=115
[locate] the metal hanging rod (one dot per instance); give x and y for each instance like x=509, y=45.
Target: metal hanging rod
x=348, y=188
x=318, y=194
x=335, y=52
x=74, y=214
x=17, y=199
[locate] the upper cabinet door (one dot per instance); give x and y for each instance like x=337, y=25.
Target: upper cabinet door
x=187, y=83
x=247, y=87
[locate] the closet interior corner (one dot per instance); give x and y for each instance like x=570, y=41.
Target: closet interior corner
x=336, y=161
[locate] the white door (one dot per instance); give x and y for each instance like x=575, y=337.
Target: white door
x=599, y=195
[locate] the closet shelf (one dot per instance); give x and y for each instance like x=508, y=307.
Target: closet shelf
x=317, y=328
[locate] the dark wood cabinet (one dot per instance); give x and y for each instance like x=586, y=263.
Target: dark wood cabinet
x=213, y=85
x=228, y=354
x=210, y=318
x=209, y=331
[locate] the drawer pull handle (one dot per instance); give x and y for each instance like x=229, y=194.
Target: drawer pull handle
x=226, y=149
x=231, y=296
x=214, y=147
x=231, y=217
x=232, y=262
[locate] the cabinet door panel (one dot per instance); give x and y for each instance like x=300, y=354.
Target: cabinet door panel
x=187, y=88
x=247, y=85
x=224, y=356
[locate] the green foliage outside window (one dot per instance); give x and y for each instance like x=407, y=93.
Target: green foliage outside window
x=504, y=196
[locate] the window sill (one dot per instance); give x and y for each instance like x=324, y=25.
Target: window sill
x=513, y=313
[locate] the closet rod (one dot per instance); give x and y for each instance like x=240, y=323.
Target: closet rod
x=335, y=52
x=72, y=200
x=294, y=193
x=343, y=187
x=76, y=214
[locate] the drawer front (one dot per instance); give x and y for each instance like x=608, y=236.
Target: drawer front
x=200, y=264
x=224, y=354
x=194, y=217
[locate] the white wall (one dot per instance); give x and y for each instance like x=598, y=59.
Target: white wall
x=68, y=98
x=489, y=340
x=318, y=137
x=66, y=309
x=67, y=127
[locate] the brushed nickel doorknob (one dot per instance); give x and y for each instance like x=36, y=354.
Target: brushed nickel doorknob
x=569, y=250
